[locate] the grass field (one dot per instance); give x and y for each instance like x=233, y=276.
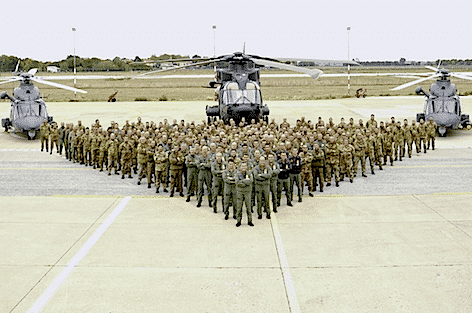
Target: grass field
x=190, y=89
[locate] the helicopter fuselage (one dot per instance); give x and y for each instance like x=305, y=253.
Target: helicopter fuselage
x=443, y=105
x=238, y=94
x=27, y=111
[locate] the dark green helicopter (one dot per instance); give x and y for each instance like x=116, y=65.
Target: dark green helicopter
x=28, y=110
x=237, y=83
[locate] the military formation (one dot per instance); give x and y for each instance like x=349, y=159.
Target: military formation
x=241, y=166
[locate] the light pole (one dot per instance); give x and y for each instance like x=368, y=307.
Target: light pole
x=75, y=70
x=348, y=65
x=214, y=40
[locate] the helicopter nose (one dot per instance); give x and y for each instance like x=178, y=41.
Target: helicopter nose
x=29, y=122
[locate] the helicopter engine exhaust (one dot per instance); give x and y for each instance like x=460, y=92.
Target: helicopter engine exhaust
x=421, y=91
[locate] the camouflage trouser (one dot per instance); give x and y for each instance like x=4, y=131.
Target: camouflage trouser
x=44, y=139
x=142, y=170
x=423, y=140
x=101, y=158
x=125, y=166
x=307, y=177
x=389, y=153
x=80, y=154
x=409, y=144
x=150, y=171
x=160, y=179
x=176, y=181
x=243, y=197
x=273, y=191
x=262, y=196
x=112, y=162
x=346, y=169
x=87, y=156
x=330, y=169
x=95, y=154
x=399, y=149
x=192, y=180
x=204, y=177
x=285, y=185
x=229, y=195
x=217, y=189
x=359, y=156
x=430, y=139
x=61, y=145
x=318, y=172
x=296, y=179
x=52, y=145
x=371, y=156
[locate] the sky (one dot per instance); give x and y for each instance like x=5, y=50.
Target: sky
x=414, y=30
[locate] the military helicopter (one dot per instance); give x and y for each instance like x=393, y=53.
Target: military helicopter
x=443, y=104
x=28, y=110
x=237, y=82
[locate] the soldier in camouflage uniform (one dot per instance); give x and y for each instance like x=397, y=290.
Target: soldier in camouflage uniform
x=176, y=160
x=318, y=165
x=359, y=154
x=160, y=163
x=125, y=149
x=274, y=179
x=307, y=172
x=407, y=137
x=62, y=131
x=398, y=140
x=191, y=162
x=44, y=134
x=150, y=162
x=262, y=175
x=102, y=150
x=54, y=137
x=431, y=128
x=387, y=145
x=283, y=179
x=87, y=147
x=204, y=176
x=332, y=162
x=229, y=180
x=346, y=154
x=142, y=158
x=422, y=132
x=217, y=169
x=370, y=149
x=415, y=136
x=244, y=181
x=112, y=150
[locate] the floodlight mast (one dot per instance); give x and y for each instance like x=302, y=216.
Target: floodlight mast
x=75, y=70
x=348, y=65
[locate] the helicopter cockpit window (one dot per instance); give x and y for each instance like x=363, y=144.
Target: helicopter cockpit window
x=450, y=106
x=35, y=110
x=234, y=95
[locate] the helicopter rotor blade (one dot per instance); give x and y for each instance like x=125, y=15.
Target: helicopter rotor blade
x=33, y=71
x=431, y=68
x=17, y=66
x=13, y=79
x=314, y=73
x=45, y=82
x=461, y=76
x=177, y=67
x=415, y=82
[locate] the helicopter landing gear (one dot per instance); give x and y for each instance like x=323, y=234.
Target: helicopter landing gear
x=31, y=134
x=442, y=131
x=6, y=123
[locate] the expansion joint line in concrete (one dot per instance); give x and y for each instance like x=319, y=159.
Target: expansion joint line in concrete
x=414, y=196
x=288, y=283
x=50, y=291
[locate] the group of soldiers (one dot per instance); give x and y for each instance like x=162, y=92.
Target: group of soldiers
x=246, y=164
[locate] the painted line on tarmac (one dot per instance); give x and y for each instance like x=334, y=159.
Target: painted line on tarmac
x=51, y=290
x=427, y=166
x=288, y=283
x=3, y=150
x=44, y=168
x=110, y=196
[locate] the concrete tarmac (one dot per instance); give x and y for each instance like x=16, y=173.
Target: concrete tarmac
x=77, y=240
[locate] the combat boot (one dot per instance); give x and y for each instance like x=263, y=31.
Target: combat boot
x=122, y=176
x=149, y=185
x=188, y=199
x=372, y=172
